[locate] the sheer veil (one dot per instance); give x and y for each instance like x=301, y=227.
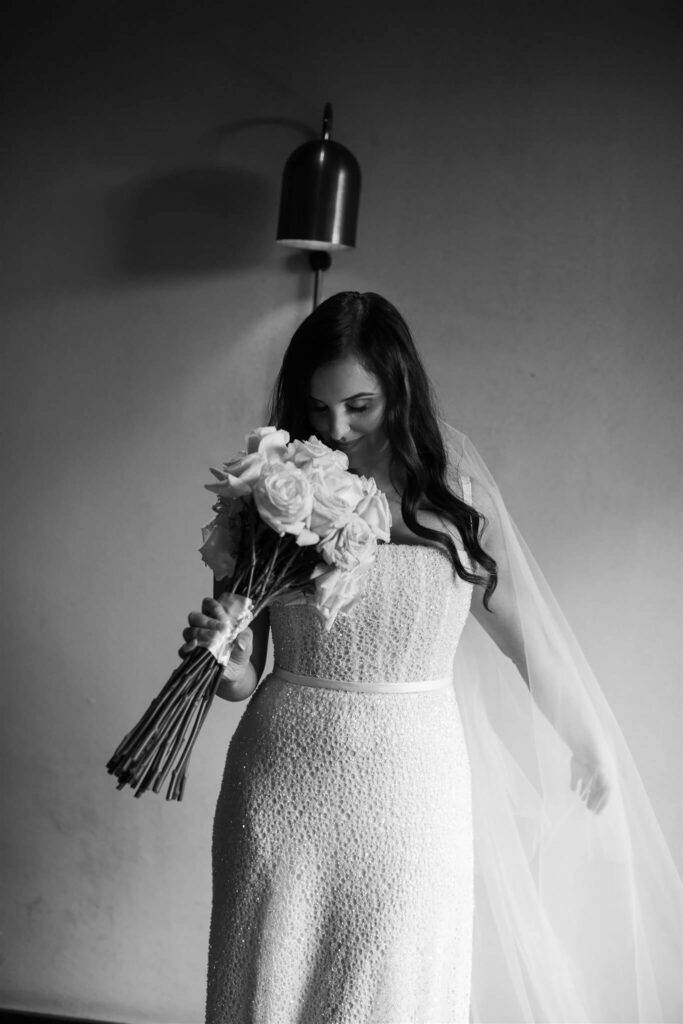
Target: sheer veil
x=577, y=914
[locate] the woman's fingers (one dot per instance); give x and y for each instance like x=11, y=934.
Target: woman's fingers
x=576, y=782
x=212, y=619
x=203, y=621
x=599, y=794
x=214, y=609
x=598, y=805
x=186, y=648
x=596, y=793
x=203, y=626
x=213, y=615
x=596, y=802
x=591, y=784
x=206, y=635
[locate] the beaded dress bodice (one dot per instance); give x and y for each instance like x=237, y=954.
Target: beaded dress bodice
x=405, y=626
x=343, y=837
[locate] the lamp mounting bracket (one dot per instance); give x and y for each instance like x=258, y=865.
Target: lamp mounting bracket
x=327, y=121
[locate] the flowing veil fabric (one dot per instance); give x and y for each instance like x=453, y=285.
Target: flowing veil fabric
x=577, y=915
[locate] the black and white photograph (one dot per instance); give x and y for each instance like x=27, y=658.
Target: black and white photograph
x=342, y=404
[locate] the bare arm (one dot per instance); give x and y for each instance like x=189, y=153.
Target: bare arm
x=533, y=650
x=536, y=655
x=541, y=665
x=502, y=626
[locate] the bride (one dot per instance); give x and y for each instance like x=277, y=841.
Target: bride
x=428, y=814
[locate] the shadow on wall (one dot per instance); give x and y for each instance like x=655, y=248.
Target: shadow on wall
x=195, y=220
x=204, y=218
x=209, y=215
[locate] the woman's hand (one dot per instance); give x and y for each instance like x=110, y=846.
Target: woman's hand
x=590, y=779
x=214, y=620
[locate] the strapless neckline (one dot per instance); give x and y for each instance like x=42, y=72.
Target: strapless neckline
x=409, y=544
x=421, y=547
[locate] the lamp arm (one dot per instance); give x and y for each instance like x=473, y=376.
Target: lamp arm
x=327, y=121
x=319, y=261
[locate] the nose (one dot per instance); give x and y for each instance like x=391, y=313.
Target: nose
x=338, y=425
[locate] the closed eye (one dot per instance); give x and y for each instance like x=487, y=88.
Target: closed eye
x=351, y=408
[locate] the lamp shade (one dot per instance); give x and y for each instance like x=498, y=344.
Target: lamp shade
x=320, y=195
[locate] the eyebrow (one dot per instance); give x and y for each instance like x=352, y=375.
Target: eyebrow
x=361, y=394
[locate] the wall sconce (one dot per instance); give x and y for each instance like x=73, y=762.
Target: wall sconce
x=319, y=200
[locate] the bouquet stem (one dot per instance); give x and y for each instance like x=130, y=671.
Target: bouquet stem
x=163, y=739
x=154, y=746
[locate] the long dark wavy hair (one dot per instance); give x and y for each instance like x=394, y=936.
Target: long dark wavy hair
x=367, y=326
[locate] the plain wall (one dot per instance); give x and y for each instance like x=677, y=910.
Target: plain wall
x=521, y=205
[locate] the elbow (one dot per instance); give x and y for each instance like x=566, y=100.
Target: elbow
x=236, y=690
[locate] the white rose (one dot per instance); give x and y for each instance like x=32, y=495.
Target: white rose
x=306, y=453
x=239, y=476
x=353, y=546
x=269, y=442
x=374, y=509
x=284, y=499
x=216, y=551
x=368, y=484
x=336, y=591
x=222, y=538
x=336, y=493
x=330, y=513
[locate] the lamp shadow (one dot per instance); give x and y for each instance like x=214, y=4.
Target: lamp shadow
x=194, y=220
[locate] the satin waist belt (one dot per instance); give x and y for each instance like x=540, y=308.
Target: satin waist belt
x=412, y=686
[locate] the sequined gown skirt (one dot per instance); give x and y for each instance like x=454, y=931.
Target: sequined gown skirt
x=343, y=861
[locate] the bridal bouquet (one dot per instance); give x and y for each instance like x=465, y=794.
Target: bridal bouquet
x=290, y=519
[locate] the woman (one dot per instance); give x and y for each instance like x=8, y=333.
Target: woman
x=389, y=847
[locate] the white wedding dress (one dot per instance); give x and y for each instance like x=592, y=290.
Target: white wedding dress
x=342, y=844
x=396, y=840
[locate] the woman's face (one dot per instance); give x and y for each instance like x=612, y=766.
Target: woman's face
x=346, y=406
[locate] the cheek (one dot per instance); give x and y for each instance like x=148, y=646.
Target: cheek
x=375, y=422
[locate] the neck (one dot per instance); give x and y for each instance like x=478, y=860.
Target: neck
x=376, y=465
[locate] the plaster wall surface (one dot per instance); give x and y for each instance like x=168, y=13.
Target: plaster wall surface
x=521, y=205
